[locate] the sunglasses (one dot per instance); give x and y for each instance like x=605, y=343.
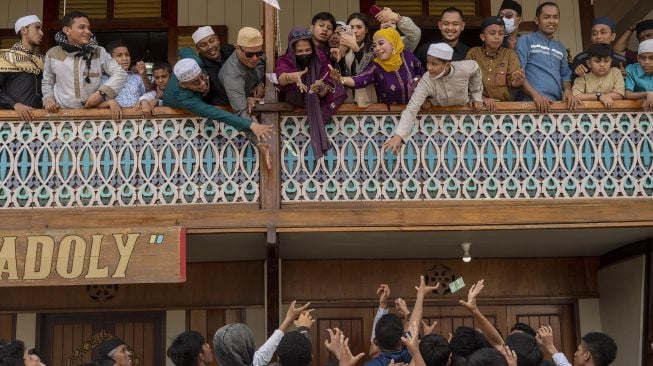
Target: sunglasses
x=252, y=54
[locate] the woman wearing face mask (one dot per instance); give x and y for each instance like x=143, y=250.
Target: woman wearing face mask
x=446, y=83
x=303, y=81
x=393, y=73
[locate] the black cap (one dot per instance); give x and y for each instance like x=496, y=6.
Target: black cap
x=511, y=4
x=490, y=21
x=109, y=345
x=644, y=25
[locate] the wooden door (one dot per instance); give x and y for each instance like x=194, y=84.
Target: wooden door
x=207, y=321
x=356, y=323
x=559, y=317
x=451, y=317
x=71, y=339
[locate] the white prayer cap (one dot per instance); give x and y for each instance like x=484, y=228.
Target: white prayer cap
x=440, y=50
x=646, y=46
x=202, y=32
x=25, y=21
x=187, y=69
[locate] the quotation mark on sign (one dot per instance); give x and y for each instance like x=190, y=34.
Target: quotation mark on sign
x=156, y=239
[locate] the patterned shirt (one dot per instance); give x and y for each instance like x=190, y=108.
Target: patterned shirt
x=391, y=86
x=131, y=92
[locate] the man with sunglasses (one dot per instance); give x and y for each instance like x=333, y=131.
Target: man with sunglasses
x=241, y=73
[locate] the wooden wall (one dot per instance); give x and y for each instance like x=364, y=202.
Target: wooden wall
x=7, y=326
x=247, y=13
x=357, y=280
x=10, y=10
x=569, y=33
x=208, y=285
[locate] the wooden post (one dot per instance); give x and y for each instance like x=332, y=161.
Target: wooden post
x=272, y=283
x=270, y=186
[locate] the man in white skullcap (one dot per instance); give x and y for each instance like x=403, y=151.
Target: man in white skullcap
x=213, y=54
x=242, y=73
x=189, y=83
x=446, y=83
x=21, y=69
x=639, y=76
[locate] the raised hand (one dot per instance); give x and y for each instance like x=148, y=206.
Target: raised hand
x=140, y=68
x=545, y=338
x=428, y=329
x=346, y=357
x=387, y=15
x=509, y=355
x=384, y=294
x=411, y=339
x=349, y=41
x=402, y=308
x=333, y=343
x=305, y=319
x=423, y=289
x=335, y=75
x=476, y=288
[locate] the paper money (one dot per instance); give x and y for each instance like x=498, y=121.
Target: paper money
x=456, y=285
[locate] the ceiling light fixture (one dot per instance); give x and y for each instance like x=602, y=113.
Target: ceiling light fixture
x=466, y=257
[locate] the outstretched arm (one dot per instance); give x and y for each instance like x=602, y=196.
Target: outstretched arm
x=490, y=332
x=422, y=291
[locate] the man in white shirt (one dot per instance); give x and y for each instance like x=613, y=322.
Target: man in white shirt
x=446, y=83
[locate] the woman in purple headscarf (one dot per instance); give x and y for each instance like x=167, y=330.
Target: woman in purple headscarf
x=303, y=81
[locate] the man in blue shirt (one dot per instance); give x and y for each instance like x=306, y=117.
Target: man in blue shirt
x=548, y=77
x=639, y=76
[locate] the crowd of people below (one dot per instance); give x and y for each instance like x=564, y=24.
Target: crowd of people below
x=330, y=63
x=399, y=337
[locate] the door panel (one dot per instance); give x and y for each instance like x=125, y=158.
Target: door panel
x=559, y=317
x=356, y=323
x=72, y=339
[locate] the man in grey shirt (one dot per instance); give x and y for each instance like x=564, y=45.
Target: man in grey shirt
x=241, y=75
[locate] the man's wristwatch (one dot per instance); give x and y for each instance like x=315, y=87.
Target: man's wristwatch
x=102, y=94
x=598, y=95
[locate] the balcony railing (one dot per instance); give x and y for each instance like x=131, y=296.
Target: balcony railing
x=87, y=161
x=462, y=156
x=84, y=159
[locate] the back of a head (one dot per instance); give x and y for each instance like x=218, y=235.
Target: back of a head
x=233, y=345
x=486, y=357
x=294, y=350
x=466, y=341
x=388, y=332
x=11, y=354
x=601, y=346
x=526, y=348
x=523, y=328
x=185, y=348
x=435, y=350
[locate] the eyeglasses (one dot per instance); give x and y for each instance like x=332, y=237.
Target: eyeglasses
x=301, y=35
x=252, y=54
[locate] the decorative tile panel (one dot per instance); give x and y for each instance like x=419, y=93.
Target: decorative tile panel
x=101, y=163
x=471, y=157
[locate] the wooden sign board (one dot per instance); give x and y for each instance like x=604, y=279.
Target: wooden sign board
x=93, y=256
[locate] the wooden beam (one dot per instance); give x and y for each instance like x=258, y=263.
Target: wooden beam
x=586, y=9
x=625, y=252
x=272, y=281
x=384, y=216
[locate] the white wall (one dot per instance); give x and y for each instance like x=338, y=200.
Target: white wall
x=10, y=10
x=175, y=324
x=589, y=313
x=26, y=329
x=621, y=286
